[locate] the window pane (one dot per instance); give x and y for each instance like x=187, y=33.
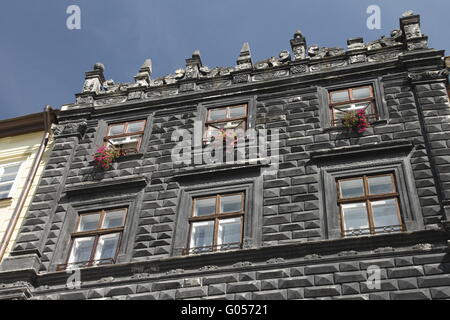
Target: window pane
x=237, y=112
x=361, y=93
x=380, y=185
x=355, y=217
x=106, y=248
x=88, y=222
x=5, y=189
x=385, y=213
x=135, y=127
x=114, y=219
x=339, y=96
x=116, y=129
x=229, y=231
x=231, y=203
x=351, y=188
x=217, y=114
x=204, y=207
x=81, y=249
x=8, y=173
x=202, y=235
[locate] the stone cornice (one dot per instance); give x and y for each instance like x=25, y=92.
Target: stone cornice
x=280, y=256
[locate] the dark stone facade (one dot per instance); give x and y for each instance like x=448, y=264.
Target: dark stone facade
x=292, y=248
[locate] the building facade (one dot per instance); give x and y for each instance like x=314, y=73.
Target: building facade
x=338, y=189
x=24, y=151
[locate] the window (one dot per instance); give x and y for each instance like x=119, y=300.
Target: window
x=96, y=239
x=126, y=136
x=8, y=174
x=369, y=205
x=225, y=119
x=216, y=223
x=343, y=101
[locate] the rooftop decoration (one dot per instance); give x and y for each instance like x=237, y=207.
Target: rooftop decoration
x=301, y=60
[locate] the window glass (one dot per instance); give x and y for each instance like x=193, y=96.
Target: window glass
x=106, y=248
x=237, y=112
x=380, y=185
x=205, y=207
x=114, y=219
x=385, y=212
x=361, y=93
x=4, y=190
x=352, y=188
x=229, y=231
x=135, y=127
x=217, y=114
x=231, y=203
x=339, y=96
x=88, y=222
x=355, y=216
x=8, y=173
x=202, y=234
x=116, y=129
x=81, y=249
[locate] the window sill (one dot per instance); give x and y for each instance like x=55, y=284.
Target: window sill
x=341, y=128
x=129, y=156
x=189, y=172
x=351, y=150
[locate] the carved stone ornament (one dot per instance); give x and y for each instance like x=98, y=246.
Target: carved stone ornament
x=70, y=129
x=275, y=260
x=429, y=75
x=383, y=42
x=91, y=85
x=111, y=100
x=241, y=78
x=85, y=100
x=316, y=52
x=209, y=267
x=301, y=68
x=412, y=31
x=359, y=58
x=242, y=264
x=270, y=75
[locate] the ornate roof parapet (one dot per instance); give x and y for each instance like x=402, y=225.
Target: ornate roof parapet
x=410, y=25
x=193, y=66
x=384, y=42
x=142, y=79
x=94, y=79
x=245, y=59
x=298, y=45
x=197, y=77
x=356, y=50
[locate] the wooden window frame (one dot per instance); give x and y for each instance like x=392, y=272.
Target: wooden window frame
x=216, y=217
x=107, y=138
x=373, y=116
x=367, y=198
x=96, y=233
x=211, y=123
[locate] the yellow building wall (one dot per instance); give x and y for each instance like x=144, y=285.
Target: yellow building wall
x=20, y=148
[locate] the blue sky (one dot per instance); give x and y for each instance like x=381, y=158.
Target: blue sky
x=42, y=62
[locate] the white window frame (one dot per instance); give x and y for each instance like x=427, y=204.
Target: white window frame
x=14, y=182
